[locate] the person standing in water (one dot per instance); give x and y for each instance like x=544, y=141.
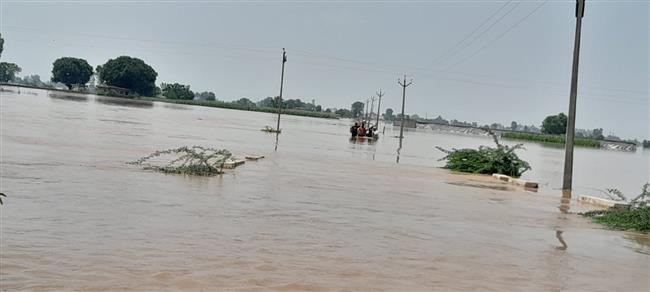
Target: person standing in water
x=353, y=129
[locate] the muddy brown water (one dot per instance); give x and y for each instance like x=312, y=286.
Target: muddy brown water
x=320, y=213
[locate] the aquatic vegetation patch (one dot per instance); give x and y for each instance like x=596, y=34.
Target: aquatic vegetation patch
x=195, y=160
x=486, y=160
x=636, y=216
x=558, y=139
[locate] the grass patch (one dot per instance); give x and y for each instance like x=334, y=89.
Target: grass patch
x=558, y=139
x=229, y=105
x=487, y=160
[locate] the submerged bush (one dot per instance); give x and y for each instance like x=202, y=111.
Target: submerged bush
x=636, y=216
x=624, y=219
x=488, y=160
x=195, y=160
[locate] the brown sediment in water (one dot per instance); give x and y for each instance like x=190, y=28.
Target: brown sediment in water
x=318, y=214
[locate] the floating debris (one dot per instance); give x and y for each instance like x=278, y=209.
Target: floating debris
x=254, y=157
x=271, y=130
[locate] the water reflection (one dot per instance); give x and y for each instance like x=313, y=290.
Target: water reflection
x=124, y=102
x=565, y=202
x=277, y=138
x=399, y=149
x=68, y=97
x=558, y=235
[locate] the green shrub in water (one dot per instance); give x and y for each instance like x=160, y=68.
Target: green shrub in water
x=635, y=217
x=195, y=160
x=487, y=160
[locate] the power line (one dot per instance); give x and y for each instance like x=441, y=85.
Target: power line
x=497, y=38
x=453, y=49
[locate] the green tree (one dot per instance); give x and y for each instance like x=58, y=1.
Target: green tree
x=513, y=126
x=268, y=102
x=70, y=71
x=343, y=113
x=177, y=91
x=8, y=71
x=597, y=134
x=555, y=125
x=646, y=143
x=130, y=73
x=357, y=109
x=206, y=95
x=389, y=114
x=245, y=102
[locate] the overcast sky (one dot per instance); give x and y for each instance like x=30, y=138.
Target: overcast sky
x=483, y=61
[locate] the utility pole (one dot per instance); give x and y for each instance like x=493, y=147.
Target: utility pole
x=372, y=108
x=379, y=94
x=571, y=123
x=284, y=60
x=365, y=116
x=401, y=124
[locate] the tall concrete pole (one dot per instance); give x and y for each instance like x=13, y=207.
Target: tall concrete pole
x=284, y=60
x=401, y=126
x=571, y=123
x=379, y=94
x=372, y=108
x=365, y=116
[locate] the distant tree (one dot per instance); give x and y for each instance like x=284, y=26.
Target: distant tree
x=177, y=91
x=555, y=125
x=329, y=110
x=70, y=71
x=130, y=73
x=32, y=80
x=295, y=104
x=415, y=117
x=319, y=108
x=268, y=102
x=343, y=113
x=389, y=114
x=2, y=44
x=206, y=95
x=597, y=134
x=8, y=71
x=646, y=143
x=497, y=126
x=440, y=120
x=513, y=126
x=244, y=102
x=357, y=109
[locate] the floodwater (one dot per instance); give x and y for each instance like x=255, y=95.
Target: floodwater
x=320, y=213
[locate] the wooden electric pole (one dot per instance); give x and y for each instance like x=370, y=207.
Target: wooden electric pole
x=401, y=124
x=571, y=123
x=284, y=60
x=379, y=94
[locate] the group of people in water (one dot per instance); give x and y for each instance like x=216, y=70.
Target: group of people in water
x=361, y=130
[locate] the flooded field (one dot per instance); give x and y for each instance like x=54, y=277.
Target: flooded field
x=319, y=213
